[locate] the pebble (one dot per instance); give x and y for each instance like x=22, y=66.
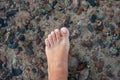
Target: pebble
x=54, y=3
x=29, y=51
x=93, y=18
x=48, y=7
x=1, y=64
x=93, y=3
x=118, y=73
x=73, y=62
x=11, y=13
x=112, y=27
x=3, y=23
x=90, y=28
x=16, y=72
x=42, y=74
x=87, y=44
x=34, y=70
x=21, y=38
x=67, y=21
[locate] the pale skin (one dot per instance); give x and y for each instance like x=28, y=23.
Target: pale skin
x=57, y=49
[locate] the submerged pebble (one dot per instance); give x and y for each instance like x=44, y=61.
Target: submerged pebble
x=16, y=72
x=3, y=23
x=93, y=18
x=22, y=38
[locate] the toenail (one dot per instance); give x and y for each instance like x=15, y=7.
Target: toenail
x=56, y=30
x=64, y=31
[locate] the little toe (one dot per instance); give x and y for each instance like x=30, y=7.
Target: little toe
x=57, y=34
x=47, y=43
x=53, y=37
x=50, y=40
x=64, y=32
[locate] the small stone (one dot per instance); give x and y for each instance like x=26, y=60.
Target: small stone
x=112, y=27
x=2, y=32
x=13, y=45
x=118, y=73
x=93, y=18
x=48, y=7
x=1, y=64
x=87, y=43
x=11, y=13
x=29, y=51
x=73, y=62
x=42, y=74
x=80, y=10
x=21, y=38
x=100, y=64
x=16, y=72
x=93, y=3
x=3, y=23
x=81, y=66
x=34, y=70
x=43, y=11
x=42, y=33
x=67, y=21
x=20, y=49
x=54, y=3
x=99, y=26
x=90, y=28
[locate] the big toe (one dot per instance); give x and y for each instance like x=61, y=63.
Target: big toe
x=64, y=32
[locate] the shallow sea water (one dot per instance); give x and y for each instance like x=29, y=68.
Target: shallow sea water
x=94, y=27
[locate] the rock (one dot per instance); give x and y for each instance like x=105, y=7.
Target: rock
x=93, y=3
x=34, y=70
x=67, y=21
x=81, y=65
x=29, y=51
x=112, y=27
x=2, y=32
x=90, y=28
x=99, y=65
x=1, y=64
x=21, y=38
x=48, y=7
x=16, y=72
x=79, y=10
x=20, y=49
x=73, y=62
x=13, y=45
x=87, y=43
x=118, y=73
x=3, y=23
x=54, y=3
x=11, y=13
x=42, y=33
x=93, y=18
x=42, y=74
x=43, y=11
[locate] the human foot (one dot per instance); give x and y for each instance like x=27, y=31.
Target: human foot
x=57, y=48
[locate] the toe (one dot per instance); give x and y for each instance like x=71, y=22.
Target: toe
x=50, y=40
x=57, y=34
x=47, y=43
x=64, y=32
x=53, y=37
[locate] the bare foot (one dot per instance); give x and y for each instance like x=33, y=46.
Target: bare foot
x=57, y=48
